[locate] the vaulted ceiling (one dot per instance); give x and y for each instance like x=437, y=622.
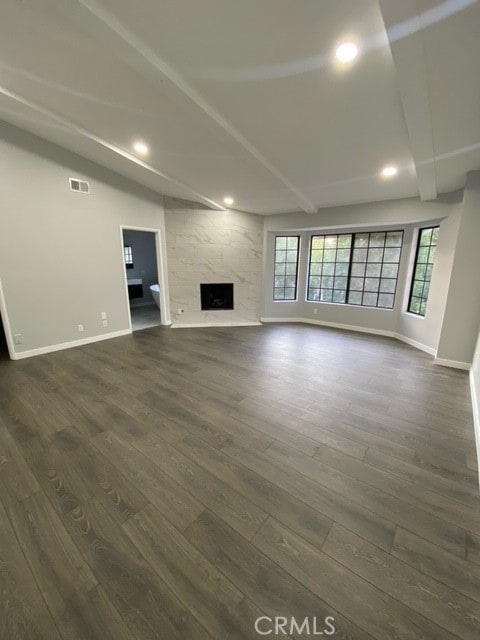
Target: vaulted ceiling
x=246, y=98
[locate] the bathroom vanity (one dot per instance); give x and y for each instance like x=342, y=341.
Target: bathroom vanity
x=135, y=288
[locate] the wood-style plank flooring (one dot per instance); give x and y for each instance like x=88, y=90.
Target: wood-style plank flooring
x=182, y=483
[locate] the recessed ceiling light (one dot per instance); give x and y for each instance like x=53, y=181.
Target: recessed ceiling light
x=346, y=52
x=140, y=147
x=389, y=172
x=228, y=200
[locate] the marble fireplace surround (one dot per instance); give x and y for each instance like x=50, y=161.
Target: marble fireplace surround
x=208, y=247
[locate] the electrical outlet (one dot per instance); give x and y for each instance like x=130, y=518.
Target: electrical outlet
x=315, y=310
x=105, y=323
x=104, y=315
x=18, y=338
x=80, y=328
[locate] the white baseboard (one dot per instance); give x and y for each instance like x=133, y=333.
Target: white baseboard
x=454, y=364
x=334, y=325
x=476, y=415
x=198, y=325
x=68, y=345
x=417, y=345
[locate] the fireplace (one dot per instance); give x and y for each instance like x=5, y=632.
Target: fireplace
x=216, y=297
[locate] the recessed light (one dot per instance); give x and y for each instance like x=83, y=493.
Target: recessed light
x=389, y=172
x=140, y=147
x=228, y=200
x=346, y=52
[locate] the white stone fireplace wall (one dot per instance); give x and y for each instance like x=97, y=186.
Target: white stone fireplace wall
x=212, y=246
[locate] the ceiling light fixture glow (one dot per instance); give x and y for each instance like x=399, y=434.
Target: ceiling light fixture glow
x=228, y=200
x=389, y=172
x=140, y=147
x=346, y=52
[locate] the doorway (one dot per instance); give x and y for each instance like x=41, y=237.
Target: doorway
x=143, y=276
x=6, y=345
x=4, y=355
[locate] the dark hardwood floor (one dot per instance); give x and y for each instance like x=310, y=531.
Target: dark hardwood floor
x=183, y=483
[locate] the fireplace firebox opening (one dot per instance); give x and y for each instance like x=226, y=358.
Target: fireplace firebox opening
x=216, y=297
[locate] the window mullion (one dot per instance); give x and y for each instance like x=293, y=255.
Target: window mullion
x=350, y=263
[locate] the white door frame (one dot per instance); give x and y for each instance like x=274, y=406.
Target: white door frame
x=6, y=324
x=161, y=255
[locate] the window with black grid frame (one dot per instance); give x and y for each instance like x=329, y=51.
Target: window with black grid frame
x=422, y=272
x=359, y=269
x=329, y=266
x=374, y=268
x=286, y=267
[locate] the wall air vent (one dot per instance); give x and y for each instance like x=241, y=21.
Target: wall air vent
x=81, y=186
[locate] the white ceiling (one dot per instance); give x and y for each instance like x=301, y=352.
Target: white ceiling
x=243, y=97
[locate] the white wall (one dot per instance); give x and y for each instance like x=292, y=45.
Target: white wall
x=405, y=214
x=462, y=313
x=144, y=262
x=213, y=246
x=61, y=257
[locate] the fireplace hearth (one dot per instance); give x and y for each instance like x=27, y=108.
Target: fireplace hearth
x=216, y=297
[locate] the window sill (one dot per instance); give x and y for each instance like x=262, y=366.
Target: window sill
x=413, y=315
x=350, y=306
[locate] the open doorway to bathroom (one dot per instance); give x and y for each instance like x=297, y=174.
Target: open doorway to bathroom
x=4, y=355
x=141, y=267
x=6, y=344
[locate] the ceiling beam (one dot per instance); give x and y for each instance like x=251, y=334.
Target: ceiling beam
x=68, y=124
x=404, y=24
x=163, y=72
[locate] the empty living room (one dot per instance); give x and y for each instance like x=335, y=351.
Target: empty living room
x=239, y=319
